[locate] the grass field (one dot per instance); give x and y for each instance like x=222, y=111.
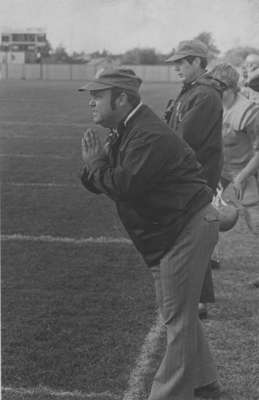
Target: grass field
x=77, y=313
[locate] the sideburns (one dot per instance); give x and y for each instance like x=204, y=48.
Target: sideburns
x=114, y=95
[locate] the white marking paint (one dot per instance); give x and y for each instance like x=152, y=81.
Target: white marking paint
x=57, y=239
x=39, y=123
x=44, y=185
x=54, y=156
x=42, y=390
x=38, y=138
x=137, y=377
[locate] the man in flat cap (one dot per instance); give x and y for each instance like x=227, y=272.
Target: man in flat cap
x=196, y=116
x=165, y=205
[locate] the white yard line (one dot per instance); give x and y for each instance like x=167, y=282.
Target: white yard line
x=38, y=138
x=137, y=377
x=44, y=185
x=42, y=390
x=54, y=156
x=39, y=123
x=57, y=239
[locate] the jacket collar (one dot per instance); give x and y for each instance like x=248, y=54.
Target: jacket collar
x=188, y=85
x=133, y=112
x=122, y=125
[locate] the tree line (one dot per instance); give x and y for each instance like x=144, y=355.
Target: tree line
x=147, y=56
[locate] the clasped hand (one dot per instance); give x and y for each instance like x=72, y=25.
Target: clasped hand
x=92, y=148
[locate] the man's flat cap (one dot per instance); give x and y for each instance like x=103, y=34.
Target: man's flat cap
x=120, y=78
x=186, y=48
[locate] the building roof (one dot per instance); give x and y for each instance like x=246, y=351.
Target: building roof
x=8, y=30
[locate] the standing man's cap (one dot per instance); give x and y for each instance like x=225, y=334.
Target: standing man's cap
x=123, y=79
x=186, y=48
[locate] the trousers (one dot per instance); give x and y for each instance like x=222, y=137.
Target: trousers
x=207, y=290
x=178, y=279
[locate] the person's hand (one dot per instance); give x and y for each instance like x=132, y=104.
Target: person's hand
x=239, y=185
x=92, y=148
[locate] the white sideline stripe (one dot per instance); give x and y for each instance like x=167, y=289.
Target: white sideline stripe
x=32, y=123
x=55, y=156
x=47, y=184
x=57, y=239
x=136, y=380
x=45, y=390
x=37, y=138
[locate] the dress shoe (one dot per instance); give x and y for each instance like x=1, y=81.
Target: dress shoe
x=210, y=391
x=202, y=310
x=214, y=264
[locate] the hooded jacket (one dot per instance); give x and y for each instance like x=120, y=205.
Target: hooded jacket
x=196, y=116
x=155, y=181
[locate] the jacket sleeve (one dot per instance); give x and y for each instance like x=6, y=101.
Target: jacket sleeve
x=201, y=127
x=87, y=181
x=139, y=168
x=198, y=121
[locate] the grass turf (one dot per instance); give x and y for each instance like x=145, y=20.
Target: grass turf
x=74, y=317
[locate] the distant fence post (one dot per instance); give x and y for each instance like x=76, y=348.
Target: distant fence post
x=23, y=71
x=41, y=71
x=3, y=71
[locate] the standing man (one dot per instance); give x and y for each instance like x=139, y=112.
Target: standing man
x=196, y=116
x=165, y=206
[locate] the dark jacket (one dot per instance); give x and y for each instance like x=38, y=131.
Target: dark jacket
x=155, y=181
x=196, y=116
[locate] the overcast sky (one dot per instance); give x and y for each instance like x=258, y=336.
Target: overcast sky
x=119, y=25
